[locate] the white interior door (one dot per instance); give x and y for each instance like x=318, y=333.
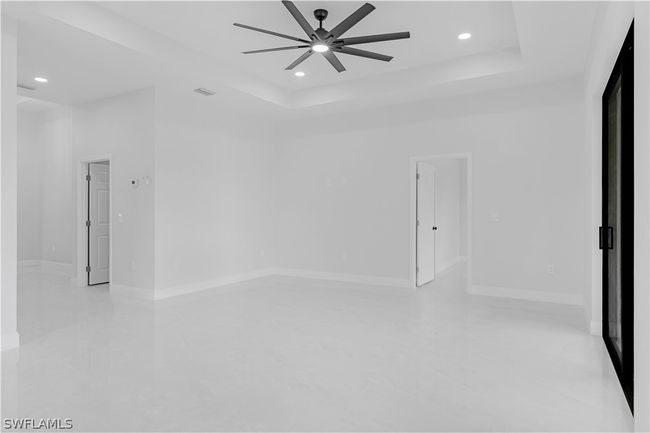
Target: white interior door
x=98, y=223
x=426, y=224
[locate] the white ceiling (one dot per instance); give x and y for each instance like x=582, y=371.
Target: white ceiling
x=434, y=26
x=80, y=67
x=94, y=50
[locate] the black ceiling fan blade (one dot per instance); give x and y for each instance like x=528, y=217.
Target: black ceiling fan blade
x=350, y=21
x=268, y=50
x=373, y=38
x=334, y=61
x=269, y=32
x=299, y=60
x=302, y=21
x=363, y=53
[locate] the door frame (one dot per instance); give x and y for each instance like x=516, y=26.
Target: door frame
x=82, y=216
x=625, y=370
x=413, y=163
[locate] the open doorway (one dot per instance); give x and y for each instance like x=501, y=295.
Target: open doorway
x=440, y=215
x=94, y=216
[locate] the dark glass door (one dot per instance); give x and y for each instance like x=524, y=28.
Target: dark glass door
x=617, y=232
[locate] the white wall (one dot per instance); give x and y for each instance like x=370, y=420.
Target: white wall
x=343, y=197
x=57, y=187
x=45, y=184
x=122, y=128
x=46, y=188
x=29, y=187
x=214, y=196
x=228, y=202
x=54, y=143
x=210, y=180
x=9, y=188
x=451, y=208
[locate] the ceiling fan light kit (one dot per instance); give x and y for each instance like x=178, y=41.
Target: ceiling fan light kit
x=328, y=43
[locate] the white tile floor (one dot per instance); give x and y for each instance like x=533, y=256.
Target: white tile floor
x=294, y=354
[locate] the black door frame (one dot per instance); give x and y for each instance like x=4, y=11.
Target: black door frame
x=623, y=68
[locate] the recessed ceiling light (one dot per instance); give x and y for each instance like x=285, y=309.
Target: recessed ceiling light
x=299, y=74
x=320, y=48
x=40, y=79
x=464, y=36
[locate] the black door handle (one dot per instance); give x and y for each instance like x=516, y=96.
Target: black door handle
x=606, y=241
x=434, y=228
x=600, y=238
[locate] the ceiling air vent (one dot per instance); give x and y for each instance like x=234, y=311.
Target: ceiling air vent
x=24, y=86
x=204, y=92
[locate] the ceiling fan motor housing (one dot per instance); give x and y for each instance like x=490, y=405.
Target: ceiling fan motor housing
x=321, y=32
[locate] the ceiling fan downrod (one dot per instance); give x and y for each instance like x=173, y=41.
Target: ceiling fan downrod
x=320, y=15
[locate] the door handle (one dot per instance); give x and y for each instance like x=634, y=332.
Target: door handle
x=434, y=228
x=600, y=238
x=606, y=241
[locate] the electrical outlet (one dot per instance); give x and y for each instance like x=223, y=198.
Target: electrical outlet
x=550, y=269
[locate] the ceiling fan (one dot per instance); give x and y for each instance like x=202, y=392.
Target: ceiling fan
x=329, y=42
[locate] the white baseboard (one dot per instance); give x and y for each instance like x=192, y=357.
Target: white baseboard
x=347, y=278
x=443, y=266
x=29, y=265
x=132, y=292
x=593, y=326
x=184, y=289
x=45, y=267
x=56, y=268
x=10, y=340
x=596, y=328
x=527, y=295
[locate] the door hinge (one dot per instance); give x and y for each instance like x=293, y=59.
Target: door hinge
x=87, y=269
x=88, y=223
x=417, y=223
x=417, y=269
x=88, y=178
x=417, y=176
